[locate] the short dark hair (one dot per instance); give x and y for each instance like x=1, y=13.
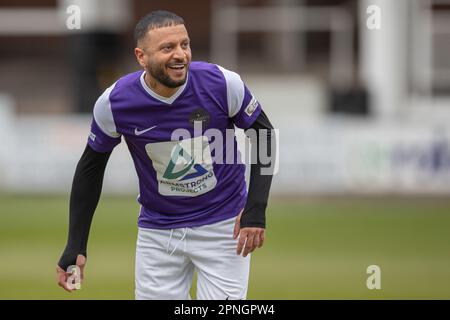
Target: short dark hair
x=153, y=20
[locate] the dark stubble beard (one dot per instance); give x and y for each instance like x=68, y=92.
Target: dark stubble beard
x=159, y=73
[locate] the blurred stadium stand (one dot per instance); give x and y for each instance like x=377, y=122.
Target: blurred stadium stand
x=359, y=111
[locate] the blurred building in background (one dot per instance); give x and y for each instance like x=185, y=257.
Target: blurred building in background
x=360, y=90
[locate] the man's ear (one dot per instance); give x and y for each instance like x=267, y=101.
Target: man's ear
x=139, y=53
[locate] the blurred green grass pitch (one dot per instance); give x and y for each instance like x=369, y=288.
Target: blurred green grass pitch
x=315, y=249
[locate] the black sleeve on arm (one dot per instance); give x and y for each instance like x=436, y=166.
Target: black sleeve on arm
x=254, y=214
x=86, y=190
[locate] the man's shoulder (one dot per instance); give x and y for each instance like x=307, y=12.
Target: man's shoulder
x=121, y=92
x=202, y=69
x=213, y=71
x=208, y=75
x=126, y=81
x=202, y=66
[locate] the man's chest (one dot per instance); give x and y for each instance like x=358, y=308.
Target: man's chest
x=177, y=142
x=168, y=123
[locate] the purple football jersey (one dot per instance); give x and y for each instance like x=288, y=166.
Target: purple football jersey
x=182, y=183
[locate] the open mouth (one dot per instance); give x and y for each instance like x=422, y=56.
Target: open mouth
x=177, y=66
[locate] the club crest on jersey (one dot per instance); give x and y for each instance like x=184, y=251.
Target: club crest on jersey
x=200, y=115
x=251, y=107
x=183, y=168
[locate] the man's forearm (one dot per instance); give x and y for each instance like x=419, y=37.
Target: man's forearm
x=84, y=197
x=254, y=214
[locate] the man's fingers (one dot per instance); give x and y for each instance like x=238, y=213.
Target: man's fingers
x=256, y=241
x=68, y=280
x=249, y=240
x=237, y=225
x=81, y=262
x=262, y=237
x=61, y=277
x=64, y=286
x=62, y=281
x=241, y=242
x=248, y=245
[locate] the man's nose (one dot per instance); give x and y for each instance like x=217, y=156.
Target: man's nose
x=179, y=53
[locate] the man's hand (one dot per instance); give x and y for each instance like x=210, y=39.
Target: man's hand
x=65, y=279
x=249, y=238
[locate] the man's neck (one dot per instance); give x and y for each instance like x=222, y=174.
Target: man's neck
x=159, y=88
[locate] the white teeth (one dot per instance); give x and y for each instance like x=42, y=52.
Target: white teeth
x=177, y=66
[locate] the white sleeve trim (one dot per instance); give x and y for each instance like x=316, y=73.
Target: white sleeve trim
x=235, y=91
x=103, y=115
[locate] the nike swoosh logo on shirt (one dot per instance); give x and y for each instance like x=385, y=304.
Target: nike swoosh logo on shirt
x=139, y=132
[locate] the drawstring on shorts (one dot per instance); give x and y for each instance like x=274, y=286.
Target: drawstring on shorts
x=179, y=241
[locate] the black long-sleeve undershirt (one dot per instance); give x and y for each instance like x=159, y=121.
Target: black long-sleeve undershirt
x=87, y=187
x=254, y=214
x=86, y=190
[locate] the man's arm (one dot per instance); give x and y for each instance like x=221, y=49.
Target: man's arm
x=84, y=197
x=254, y=214
x=252, y=222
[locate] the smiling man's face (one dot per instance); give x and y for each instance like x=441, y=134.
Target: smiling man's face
x=165, y=54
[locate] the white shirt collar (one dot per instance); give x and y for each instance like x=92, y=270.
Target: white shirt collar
x=168, y=100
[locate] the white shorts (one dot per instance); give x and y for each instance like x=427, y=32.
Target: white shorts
x=166, y=260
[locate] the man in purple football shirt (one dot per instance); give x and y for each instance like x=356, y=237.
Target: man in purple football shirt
x=195, y=212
